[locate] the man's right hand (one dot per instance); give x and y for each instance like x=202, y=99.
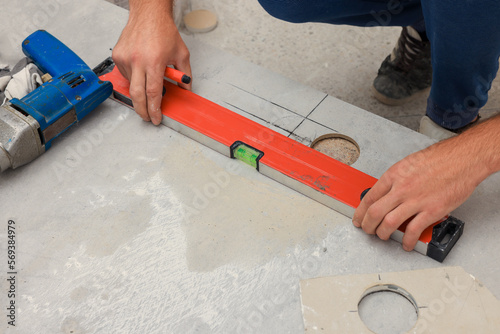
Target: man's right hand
x=149, y=42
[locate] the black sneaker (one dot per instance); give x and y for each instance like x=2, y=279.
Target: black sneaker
x=407, y=72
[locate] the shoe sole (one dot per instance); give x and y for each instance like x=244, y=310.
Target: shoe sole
x=397, y=102
x=430, y=129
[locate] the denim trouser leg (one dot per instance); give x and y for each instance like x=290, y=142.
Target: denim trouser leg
x=465, y=47
x=464, y=35
x=361, y=13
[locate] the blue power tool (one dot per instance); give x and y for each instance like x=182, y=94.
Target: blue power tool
x=29, y=125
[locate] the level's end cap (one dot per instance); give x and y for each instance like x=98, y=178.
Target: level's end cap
x=186, y=79
x=199, y=21
x=451, y=227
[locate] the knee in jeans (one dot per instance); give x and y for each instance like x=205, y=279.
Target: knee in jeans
x=290, y=11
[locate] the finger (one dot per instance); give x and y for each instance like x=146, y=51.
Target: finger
x=138, y=93
x=120, y=63
x=123, y=71
x=414, y=229
x=376, y=213
x=154, y=89
x=379, y=190
x=184, y=65
x=393, y=220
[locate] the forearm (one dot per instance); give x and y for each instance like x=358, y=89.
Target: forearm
x=477, y=150
x=151, y=9
x=483, y=143
x=429, y=184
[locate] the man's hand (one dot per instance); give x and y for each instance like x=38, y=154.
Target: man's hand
x=149, y=42
x=429, y=184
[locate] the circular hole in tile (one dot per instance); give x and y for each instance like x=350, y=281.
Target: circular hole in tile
x=338, y=146
x=388, y=309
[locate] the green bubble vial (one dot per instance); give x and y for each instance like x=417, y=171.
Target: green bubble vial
x=247, y=154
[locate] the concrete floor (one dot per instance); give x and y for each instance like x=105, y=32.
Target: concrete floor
x=341, y=61
x=115, y=243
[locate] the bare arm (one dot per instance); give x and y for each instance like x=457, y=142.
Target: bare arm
x=149, y=42
x=429, y=184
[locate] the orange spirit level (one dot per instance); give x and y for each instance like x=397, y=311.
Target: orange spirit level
x=283, y=159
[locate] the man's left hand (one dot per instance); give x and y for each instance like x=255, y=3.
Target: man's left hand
x=426, y=185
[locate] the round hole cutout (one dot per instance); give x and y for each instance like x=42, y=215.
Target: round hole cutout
x=337, y=146
x=388, y=309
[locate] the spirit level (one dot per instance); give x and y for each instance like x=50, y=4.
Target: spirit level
x=283, y=159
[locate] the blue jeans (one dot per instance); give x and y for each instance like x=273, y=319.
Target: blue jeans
x=464, y=36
